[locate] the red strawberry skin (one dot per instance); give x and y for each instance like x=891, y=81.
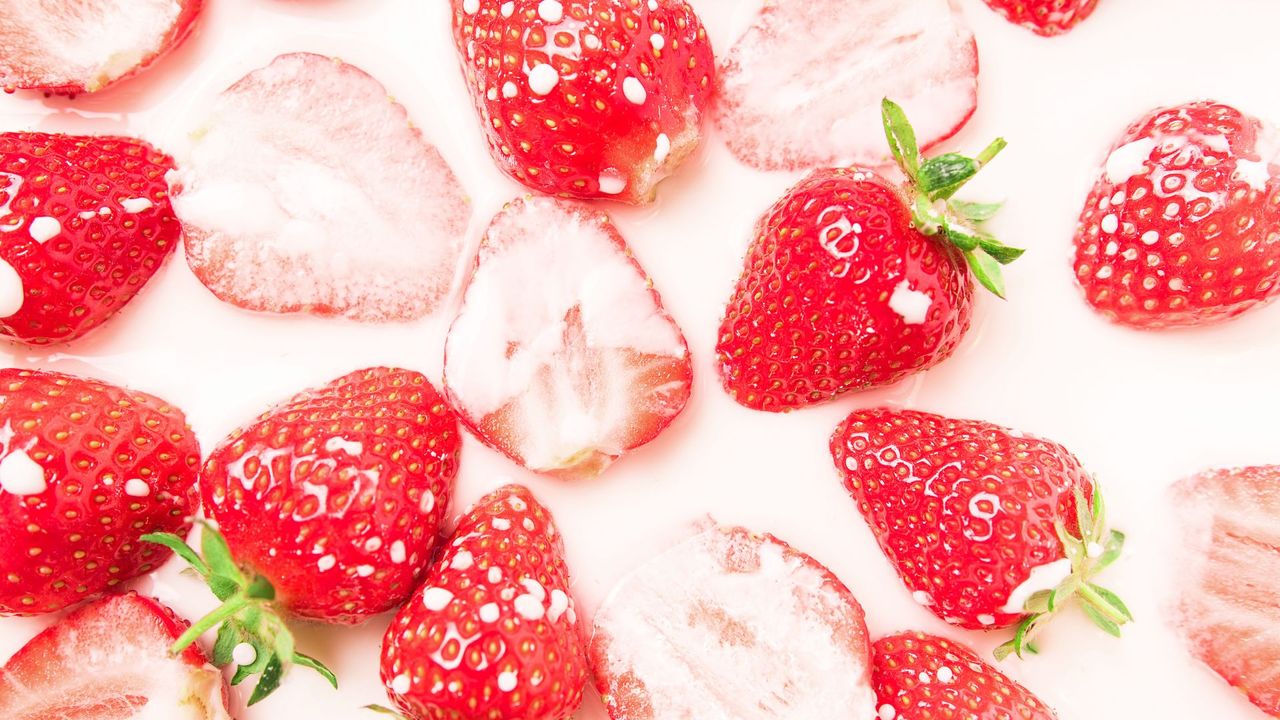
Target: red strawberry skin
x=631, y=82
x=812, y=316
x=1045, y=17
x=335, y=496
x=924, y=676
x=492, y=632
x=1182, y=227
x=963, y=509
x=84, y=222
x=104, y=661
x=110, y=465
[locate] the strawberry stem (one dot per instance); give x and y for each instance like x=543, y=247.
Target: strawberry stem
x=208, y=622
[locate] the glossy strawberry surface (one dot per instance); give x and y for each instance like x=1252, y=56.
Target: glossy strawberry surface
x=493, y=631
x=586, y=98
x=86, y=468
x=336, y=495
x=84, y=223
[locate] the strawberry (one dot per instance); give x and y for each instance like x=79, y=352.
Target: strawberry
x=586, y=98
x=562, y=356
x=1044, y=17
x=110, y=660
x=1183, y=226
x=84, y=224
x=925, y=677
x=290, y=206
x=69, y=47
x=86, y=469
x=493, y=631
x=853, y=282
x=732, y=624
x=986, y=526
x=327, y=508
x=1229, y=577
x=802, y=87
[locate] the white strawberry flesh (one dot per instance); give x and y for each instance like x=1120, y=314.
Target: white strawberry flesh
x=110, y=661
x=562, y=356
x=802, y=87
x=731, y=625
x=307, y=189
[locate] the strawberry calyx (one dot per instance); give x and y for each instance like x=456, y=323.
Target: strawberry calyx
x=1089, y=552
x=932, y=182
x=248, y=616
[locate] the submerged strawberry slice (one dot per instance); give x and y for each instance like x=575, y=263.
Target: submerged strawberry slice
x=562, y=355
x=802, y=87
x=731, y=624
x=1230, y=577
x=110, y=661
x=308, y=190
x=71, y=46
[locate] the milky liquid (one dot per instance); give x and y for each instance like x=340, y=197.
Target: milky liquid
x=1141, y=410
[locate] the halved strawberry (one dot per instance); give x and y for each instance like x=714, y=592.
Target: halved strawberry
x=84, y=223
x=925, y=677
x=802, y=87
x=492, y=632
x=562, y=356
x=110, y=661
x=1229, y=577
x=586, y=98
x=308, y=190
x=732, y=624
x=72, y=46
x=86, y=468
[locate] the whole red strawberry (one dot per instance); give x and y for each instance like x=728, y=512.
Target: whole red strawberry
x=86, y=469
x=84, y=224
x=327, y=508
x=853, y=282
x=1183, y=225
x=110, y=660
x=1044, y=17
x=586, y=98
x=493, y=631
x=925, y=677
x=986, y=526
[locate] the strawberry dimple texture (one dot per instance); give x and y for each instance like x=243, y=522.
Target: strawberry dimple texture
x=493, y=632
x=1045, y=17
x=116, y=464
x=811, y=317
x=1183, y=226
x=336, y=496
x=963, y=509
x=107, y=200
x=586, y=98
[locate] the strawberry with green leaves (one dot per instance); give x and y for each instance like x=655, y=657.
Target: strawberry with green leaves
x=327, y=508
x=987, y=527
x=853, y=281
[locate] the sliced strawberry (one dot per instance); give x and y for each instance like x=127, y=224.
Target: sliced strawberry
x=732, y=624
x=72, y=46
x=1230, y=577
x=493, y=631
x=802, y=87
x=110, y=661
x=307, y=190
x=562, y=355
x=925, y=676
x=85, y=222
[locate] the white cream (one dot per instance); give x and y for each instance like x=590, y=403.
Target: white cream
x=1255, y=174
x=436, y=599
x=12, y=293
x=1128, y=160
x=20, y=475
x=136, y=205
x=44, y=228
x=634, y=91
x=551, y=11
x=136, y=487
x=543, y=79
x=911, y=305
x=1042, y=577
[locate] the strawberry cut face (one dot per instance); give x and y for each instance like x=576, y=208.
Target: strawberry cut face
x=586, y=98
x=562, y=356
x=732, y=624
x=68, y=46
x=802, y=87
x=110, y=661
x=308, y=190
